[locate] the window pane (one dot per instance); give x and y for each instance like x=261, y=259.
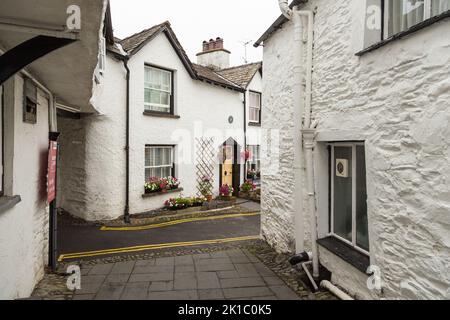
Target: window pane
x=166, y=172
x=342, y=164
x=147, y=157
x=404, y=14
x=147, y=95
x=155, y=97
x=165, y=98
x=166, y=81
x=439, y=6
x=362, y=234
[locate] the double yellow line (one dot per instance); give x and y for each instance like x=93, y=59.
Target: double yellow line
x=175, y=222
x=68, y=256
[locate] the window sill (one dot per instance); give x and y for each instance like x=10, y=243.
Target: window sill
x=7, y=203
x=160, y=115
x=254, y=124
x=350, y=255
x=155, y=194
x=402, y=34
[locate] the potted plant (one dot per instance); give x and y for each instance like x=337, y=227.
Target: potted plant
x=247, y=187
x=206, y=187
x=226, y=191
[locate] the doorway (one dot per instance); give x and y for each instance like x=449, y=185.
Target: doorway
x=230, y=169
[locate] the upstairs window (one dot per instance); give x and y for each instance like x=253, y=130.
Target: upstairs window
x=348, y=195
x=158, y=90
x=400, y=15
x=158, y=162
x=255, y=107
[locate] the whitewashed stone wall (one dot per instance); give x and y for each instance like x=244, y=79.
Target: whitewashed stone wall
x=396, y=99
x=24, y=228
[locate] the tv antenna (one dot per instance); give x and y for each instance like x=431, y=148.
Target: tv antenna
x=245, y=44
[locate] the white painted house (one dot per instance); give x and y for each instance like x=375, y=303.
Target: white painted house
x=39, y=57
x=377, y=123
x=169, y=104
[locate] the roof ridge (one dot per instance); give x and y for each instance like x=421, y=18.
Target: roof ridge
x=240, y=66
x=145, y=30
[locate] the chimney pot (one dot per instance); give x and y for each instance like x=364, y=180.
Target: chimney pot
x=205, y=46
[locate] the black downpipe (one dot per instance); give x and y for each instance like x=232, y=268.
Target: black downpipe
x=127, y=146
x=245, y=134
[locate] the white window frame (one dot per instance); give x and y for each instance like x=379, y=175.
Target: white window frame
x=148, y=106
x=257, y=108
x=102, y=55
x=426, y=14
x=171, y=166
x=352, y=145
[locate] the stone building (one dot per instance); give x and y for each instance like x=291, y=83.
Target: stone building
x=380, y=135
x=172, y=103
x=39, y=58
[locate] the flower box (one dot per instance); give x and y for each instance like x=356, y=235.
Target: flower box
x=158, y=193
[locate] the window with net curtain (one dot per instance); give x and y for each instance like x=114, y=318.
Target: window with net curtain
x=158, y=90
x=403, y=14
x=255, y=107
x=158, y=162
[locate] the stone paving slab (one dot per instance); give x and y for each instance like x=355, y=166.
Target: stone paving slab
x=228, y=274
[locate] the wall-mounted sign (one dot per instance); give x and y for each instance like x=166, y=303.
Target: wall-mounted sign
x=342, y=168
x=51, y=174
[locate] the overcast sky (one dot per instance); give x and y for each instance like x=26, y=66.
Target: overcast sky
x=193, y=21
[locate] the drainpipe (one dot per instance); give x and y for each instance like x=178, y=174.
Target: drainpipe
x=297, y=119
x=302, y=107
x=335, y=290
x=127, y=145
x=245, y=135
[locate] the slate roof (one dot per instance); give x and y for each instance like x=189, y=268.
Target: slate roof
x=241, y=75
x=134, y=43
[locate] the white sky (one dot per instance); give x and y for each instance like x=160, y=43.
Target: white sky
x=193, y=21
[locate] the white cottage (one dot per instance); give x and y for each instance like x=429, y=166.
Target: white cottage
x=157, y=110
x=359, y=93
x=40, y=58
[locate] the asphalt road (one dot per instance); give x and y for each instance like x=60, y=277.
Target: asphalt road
x=82, y=238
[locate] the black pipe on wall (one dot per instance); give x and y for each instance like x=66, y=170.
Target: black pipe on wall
x=127, y=145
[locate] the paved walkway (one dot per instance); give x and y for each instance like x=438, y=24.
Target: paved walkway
x=229, y=274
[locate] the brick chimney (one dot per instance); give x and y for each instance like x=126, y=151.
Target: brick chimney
x=214, y=55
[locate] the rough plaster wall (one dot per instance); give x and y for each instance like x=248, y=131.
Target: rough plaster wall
x=71, y=167
x=93, y=152
x=24, y=228
x=396, y=99
x=277, y=211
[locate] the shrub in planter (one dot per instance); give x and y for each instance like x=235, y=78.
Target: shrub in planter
x=183, y=203
x=248, y=186
x=226, y=190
